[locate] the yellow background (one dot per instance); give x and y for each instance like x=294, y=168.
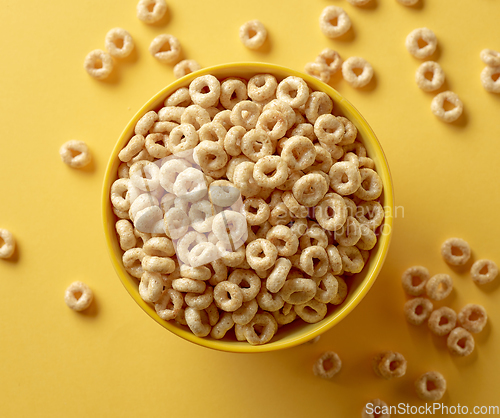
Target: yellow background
x=114, y=360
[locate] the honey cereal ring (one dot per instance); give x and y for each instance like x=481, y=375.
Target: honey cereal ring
x=132, y=260
x=293, y=176
x=239, y=332
x=210, y=155
x=197, y=91
x=490, y=57
x=352, y=261
x=438, y=109
x=301, y=129
x=285, y=241
x=489, y=79
x=417, y=310
x=229, y=225
x=431, y=386
x=202, y=273
x=334, y=258
x=329, y=130
x=197, y=321
x=155, y=264
x=166, y=49
x=119, y=191
x=182, y=138
x=293, y=206
x=262, y=87
x=223, y=326
x=429, y=40
x=169, y=305
x=212, y=131
x=284, y=108
x=298, y=152
x=310, y=189
x=371, y=185
x=278, y=276
x=119, y=43
x=78, y=296
x=439, y=286
x=201, y=216
x=315, y=235
x=473, y=317
x=197, y=301
x=171, y=114
x=224, y=118
x=318, y=104
x=390, y=364
x=350, y=233
x=253, y=34
x=145, y=175
x=180, y=97
x=143, y=155
x=185, y=67
x=350, y=131
x=342, y=291
x=246, y=312
x=125, y=231
x=270, y=302
x=349, y=74
x=298, y=291
x=248, y=282
x=442, y=321
x=345, y=178
x=273, y=122
x=75, y=153
x=245, y=113
x=327, y=365
x=159, y=246
x=256, y=210
x=460, y=342
x=154, y=148
x=280, y=215
x=331, y=59
x=202, y=253
x=270, y=164
x=293, y=91
x=377, y=408
x=195, y=115
x=414, y=280
x=314, y=261
x=186, y=285
x=151, y=11
x=331, y=213
x=370, y=213
x=257, y=144
x=455, y=251
x=355, y=147
x=261, y=254
x=311, y=312
x=228, y=296
x=98, y=64
x=368, y=239
x=483, y=271
x=232, y=140
x=429, y=68
x=319, y=71
x=327, y=288
x=334, y=14
x=232, y=92
x=151, y=287
x=264, y=321
x=285, y=315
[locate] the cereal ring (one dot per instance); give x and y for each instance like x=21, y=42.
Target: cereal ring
x=431, y=386
x=318, y=104
x=228, y=296
x=256, y=144
x=198, y=273
x=327, y=365
x=424, y=36
x=155, y=264
x=98, y=64
x=273, y=122
x=270, y=302
x=125, y=231
x=352, y=261
x=311, y=312
x=229, y=225
x=169, y=305
x=483, y=271
x=151, y=287
x=378, y=409
x=460, y=342
x=280, y=215
x=355, y=147
x=436, y=73
x=473, y=317
x=302, y=129
x=438, y=109
x=119, y=198
x=232, y=91
x=253, y=34
x=166, y=49
x=246, y=312
x=186, y=243
x=75, y=153
x=292, y=178
x=414, y=280
x=334, y=258
x=185, y=67
x=285, y=315
x=176, y=223
x=262, y=87
x=132, y=260
x=195, y=115
x=202, y=253
x=197, y=91
x=245, y=113
x=342, y=291
x=370, y=214
x=123, y=171
x=278, y=276
x=143, y=155
x=455, y=251
x=293, y=91
x=202, y=301
x=331, y=213
x=230, y=257
x=315, y=235
x=442, y=321
x=357, y=63
x=145, y=175
x=298, y=152
x=248, y=282
x=270, y=164
x=349, y=234
x=284, y=108
x=490, y=57
x=171, y=114
x=151, y=11
x=190, y=185
x=256, y=210
x=345, y=178
x=293, y=206
x=261, y=254
x=368, y=239
x=328, y=129
x=197, y=321
x=134, y=147
x=298, y=291
x=320, y=71
x=310, y=189
x=334, y=14
x=243, y=179
x=285, y=241
x=119, y=43
x=439, y=286
x=489, y=79
x=350, y=131
x=407, y=2
x=186, y=285
x=224, y=325
x=201, y=216
x=239, y=332
x=153, y=148
x=331, y=59
x=371, y=185
x=159, y=246
x=232, y=140
x=180, y=97
x=389, y=365
x=327, y=288
x=210, y=155
x=78, y=296
x=182, y=138
x=314, y=261
x=268, y=325
x=418, y=310
x=149, y=220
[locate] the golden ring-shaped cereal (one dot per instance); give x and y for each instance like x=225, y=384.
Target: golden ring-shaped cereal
x=151, y=286
x=319, y=71
x=376, y=406
x=442, y=321
x=350, y=233
x=176, y=223
x=256, y=210
x=230, y=257
x=155, y=264
x=298, y=291
x=98, y=64
x=197, y=321
x=357, y=63
x=219, y=272
x=169, y=54
x=426, y=35
x=201, y=216
x=327, y=288
x=439, y=286
x=322, y=162
x=116, y=37
x=245, y=113
x=186, y=285
x=229, y=225
x=329, y=14
x=210, y=155
x=331, y=59
x=232, y=140
x=197, y=91
x=123, y=171
x=153, y=147
x=473, y=317
x=170, y=114
x=437, y=106
x=145, y=175
x=134, y=146
x=212, y=131
x=370, y=213
x=356, y=147
x=256, y=144
x=310, y=189
x=490, y=57
x=273, y=122
x=371, y=185
x=434, y=83
x=78, y=296
x=315, y=235
x=414, y=280
x=285, y=241
x=456, y=251
x=132, y=260
x=125, y=231
x=119, y=198
x=298, y=152
x=151, y=11
x=280, y=215
x=197, y=273
x=278, y=276
x=352, y=261
x=228, y=296
x=331, y=213
x=253, y=34
x=460, y=342
x=182, y=138
x=318, y=104
x=75, y=153
x=224, y=325
x=321, y=369
x=285, y=315
x=368, y=239
x=243, y=179
x=233, y=91
x=292, y=178
x=334, y=258
x=293, y=206
x=350, y=131
x=283, y=108
x=261, y=254
x=417, y=310
x=200, y=301
x=270, y=164
x=262, y=87
x=342, y=291
x=489, y=79
x=329, y=129
x=270, y=302
x=185, y=67
x=429, y=392
x=293, y=91
x=311, y=312
x=169, y=305
x=389, y=365
x=248, y=281
x=195, y=115
x=143, y=155
x=483, y=271
x=246, y=312
x=308, y=264
x=269, y=325
x=345, y=178
x=159, y=246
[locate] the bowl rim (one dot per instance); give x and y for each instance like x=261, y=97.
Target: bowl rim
x=383, y=242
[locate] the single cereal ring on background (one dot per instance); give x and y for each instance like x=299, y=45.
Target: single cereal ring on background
x=490, y=57
x=285, y=241
x=246, y=312
x=75, y=153
x=431, y=386
x=455, y=251
x=371, y=185
x=262, y=87
x=327, y=288
x=224, y=325
x=78, y=296
x=223, y=193
x=349, y=234
x=256, y=144
x=182, y=138
x=270, y=302
x=414, y=280
x=293, y=91
x=327, y=365
x=256, y=210
x=119, y=43
x=357, y=63
x=151, y=286
x=460, y=342
x=267, y=326
x=439, y=286
x=185, y=67
x=245, y=113
x=434, y=83
x=334, y=14
x=197, y=321
x=421, y=34
x=389, y=365
x=328, y=129
x=442, y=321
x=253, y=34
x=345, y=178
x=320, y=71
x=195, y=115
x=232, y=91
x=200, y=301
x=125, y=231
x=310, y=189
x=473, y=317
x=151, y=11
x=437, y=106
x=418, y=310
x=298, y=291
x=311, y=312
x=270, y=164
x=318, y=104
x=377, y=407
x=331, y=213
x=134, y=146
x=232, y=140
x=132, y=260
x=273, y=122
x=145, y=175
x=489, y=79
x=298, y=152
x=165, y=48
x=98, y=64
x=169, y=305
x=261, y=254
x=197, y=91
x=483, y=271
x=248, y=282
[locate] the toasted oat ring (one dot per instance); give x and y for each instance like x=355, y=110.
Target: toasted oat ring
x=378, y=407
x=243, y=179
x=230, y=257
x=353, y=63
x=298, y=291
x=437, y=106
x=253, y=34
x=155, y=264
x=417, y=310
x=182, y=138
x=307, y=258
x=352, y=260
x=145, y=175
x=295, y=208
x=187, y=285
x=245, y=113
x=262, y=87
x=473, y=317
x=132, y=260
x=256, y=144
x=248, y=277
x=197, y=273
x=176, y=223
x=312, y=311
x=414, y=280
x=285, y=315
x=264, y=320
x=171, y=114
x=270, y=164
x=323, y=160
x=350, y=131
x=197, y=322
x=321, y=369
x=145, y=123
x=232, y=91
x=199, y=97
x=293, y=91
x=75, y=153
x=318, y=104
x=327, y=288
x=350, y=233
x=342, y=291
x=371, y=214
x=329, y=14
x=487, y=79
x=119, y=36
x=125, y=231
x=119, y=198
x=228, y=296
x=200, y=301
x=280, y=215
x=455, y=251
x=278, y=276
x=210, y=155
x=284, y=108
x=223, y=326
x=156, y=143
x=186, y=243
x=292, y=178
x=261, y=254
x=310, y=189
x=230, y=220
x=345, y=178
x=246, y=312
x=334, y=258
x=331, y=59
x=318, y=70
x=368, y=239
x=425, y=35
x=151, y=11
x=371, y=185
x=260, y=213
x=328, y=129
x=439, y=286
x=167, y=55
x=285, y=241
x=331, y=213
x=123, y=171
x=195, y=115
x=159, y=246
x=169, y=305
x=151, y=286
x=232, y=140
x=483, y=271
x=78, y=296
x=389, y=365
x=98, y=64
x=460, y=342
x=270, y=302
x=185, y=67
x=212, y=131
x=219, y=272
x=273, y=122
x=442, y=321
x=298, y=152
x=429, y=392
x=437, y=80
x=490, y=57
x=315, y=235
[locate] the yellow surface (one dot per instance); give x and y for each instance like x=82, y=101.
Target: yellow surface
x=116, y=361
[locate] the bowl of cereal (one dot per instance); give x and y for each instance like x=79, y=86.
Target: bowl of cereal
x=247, y=207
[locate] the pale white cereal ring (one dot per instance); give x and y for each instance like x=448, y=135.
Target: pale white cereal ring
x=285, y=241
x=232, y=140
x=314, y=261
x=490, y=79
x=185, y=67
x=223, y=193
x=438, y=109
x=435, y=81
x=142, y=201
x=334, y=14
x=455, y=251
x=310, y=189
x=245, y=113
x=202, y=253
x=197, y=91
x=98, y=64
x=473, y=317
x=182, y=138
x=253, y=34
x=353, y=63
x=431, y=386
x=345, y=178
x=169, y=305
x=145, y=175
x=298, y=152
x=377, y=408
x=232, y=91
x=190, y=185
x=133, y=147
x=155, y=264
x=439, y=286
x=318, y=104
x=197, y=322
x=273, y=122
x=150, y=220
x=78, y=296
x=246, y=312
x=311, y=312
x=230, y=226
x=371, y=185
x=270, y=164
x=176, y=223
x=159, y=246
x=195, y=115
x=422, y=35
x=180, y=97
x=261, y=254
x=186, y=243
x=298, y=291
x=414, y=280
x=119, y=43
x=329, y=130
x=132, y=260
x=442, y=321
x=151, y=11
x=151, y=287
x=293, y=91
x=75, y=153
x=145, y=123
x=228, y=296
x=417, y=310
x=266, y=322
x=460, y=342
x=201, y=216
x=125, y=232
x=327, y=288
x=262, y=87
x=327, y=365
x=490, y=57
x=165, y=48
x=352, y=261
x=243, y=179
x=334, y=259
x=331, y=213
x=483, y=271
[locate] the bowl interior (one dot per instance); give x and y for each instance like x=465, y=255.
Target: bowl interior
x=359, y=284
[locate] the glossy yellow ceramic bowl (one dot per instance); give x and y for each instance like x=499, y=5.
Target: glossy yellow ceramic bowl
x=295, y=333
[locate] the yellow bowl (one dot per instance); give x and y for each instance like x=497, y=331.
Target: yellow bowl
x=293, y=334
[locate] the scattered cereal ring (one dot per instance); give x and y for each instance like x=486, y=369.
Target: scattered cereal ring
x=438, y=109
x=321, y=368
x=78, y=296
x=439, y=286
x=119, y=43
x=75, y=153
x=98, y=64
x=375, y=408
x=319, y=71
x=267, y=323
x=389, y=365
x=425, y=36
x=490, y=57
x=165, y=48
x=490, y=79
x=417, y=310
x=433, y=83
x=185, y=67
x=473, y=317
x=151, y=11
x=197, y=91
x=253, y=34
x=431, y=386
x=460, y=342
x=331, y=14
x=455, y=251
x=483, y=271
x=414, y=280
x=407, y=2
x=357, y=63
x=442, y=321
